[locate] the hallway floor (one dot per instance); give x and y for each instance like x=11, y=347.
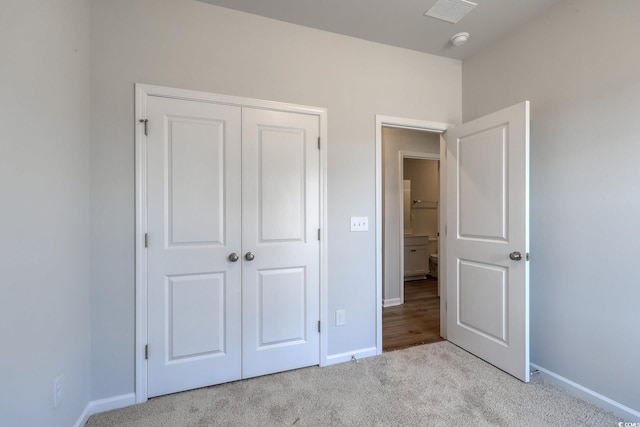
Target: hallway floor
x=415, y=322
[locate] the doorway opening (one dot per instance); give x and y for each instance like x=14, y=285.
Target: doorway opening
x=417, y=319
x=390, y=221
x=411, y=309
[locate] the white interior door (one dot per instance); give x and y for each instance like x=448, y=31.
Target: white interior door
x=281, y=250
x=488, y=238
x=193, y=290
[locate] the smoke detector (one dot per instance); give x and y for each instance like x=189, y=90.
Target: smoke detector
x=450, y=10
x=459, y=39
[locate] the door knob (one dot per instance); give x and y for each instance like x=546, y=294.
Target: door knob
x=234, y=257
x=249, y=256
x=516, y=256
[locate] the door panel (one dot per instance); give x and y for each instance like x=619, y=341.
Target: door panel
x=195, y=301
x=483, y=299
x=193, y=290
x=483, y=162
x=281, y=307
x=487, y=220
x=281, y=175
x=280, y=198
x=195, y=216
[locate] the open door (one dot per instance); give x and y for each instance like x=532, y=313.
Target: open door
x=488, y=238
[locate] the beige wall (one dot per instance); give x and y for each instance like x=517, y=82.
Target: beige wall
x=192, y=45
x=578, y=64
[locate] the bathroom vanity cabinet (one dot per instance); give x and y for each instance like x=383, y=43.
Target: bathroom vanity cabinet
x=416, y=256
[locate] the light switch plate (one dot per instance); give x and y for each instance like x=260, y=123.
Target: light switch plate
x=359, y=223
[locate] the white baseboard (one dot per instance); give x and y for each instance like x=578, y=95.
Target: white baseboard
x=103, y=405
x=391, y=302
x=345, y=357
x=624, y=412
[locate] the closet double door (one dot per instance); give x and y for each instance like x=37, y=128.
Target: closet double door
x=233, y=250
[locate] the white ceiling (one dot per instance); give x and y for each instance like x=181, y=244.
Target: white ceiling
x=399, y=22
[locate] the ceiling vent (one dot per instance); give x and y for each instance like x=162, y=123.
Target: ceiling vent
x=450, y=10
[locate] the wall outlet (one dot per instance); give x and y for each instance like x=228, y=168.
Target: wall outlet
x=340, y=318
x=58, y=389
x=359, y=223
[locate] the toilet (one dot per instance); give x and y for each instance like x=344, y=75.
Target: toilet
x=433, y=256
x=433, y=265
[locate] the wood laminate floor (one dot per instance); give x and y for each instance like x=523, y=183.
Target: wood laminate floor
x=415, y=322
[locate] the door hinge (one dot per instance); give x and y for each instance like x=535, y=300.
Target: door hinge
x=318, y=326
x=146, y=125
x=318, y=143
x=318, y=234
x=526, y=256
x=146, y=240
x=146, y=352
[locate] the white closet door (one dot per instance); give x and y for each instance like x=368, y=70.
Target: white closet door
x=194, y=290
x=280, y=202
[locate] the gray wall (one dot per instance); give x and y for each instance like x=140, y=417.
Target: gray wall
x=425, y=186
x=192, y=45
x=579, y=65
x=576, y=63
x=44, y=193
x=393, y=142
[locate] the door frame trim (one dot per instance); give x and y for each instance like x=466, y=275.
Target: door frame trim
x=422, y=125
x=142, y=91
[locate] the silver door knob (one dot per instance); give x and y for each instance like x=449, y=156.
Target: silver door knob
x=234, y=257
x=516, y=256
x=249, y=256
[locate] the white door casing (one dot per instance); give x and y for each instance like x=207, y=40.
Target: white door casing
x=193, y=178
x=487, y=221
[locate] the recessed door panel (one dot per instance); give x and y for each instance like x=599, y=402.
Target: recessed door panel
x=482, y=177
x=281, y=309
x=195, y=323
x=195, y=170
x=483, y=299
x=281, y=154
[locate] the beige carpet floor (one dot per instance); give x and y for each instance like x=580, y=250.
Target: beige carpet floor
x=429, y=385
